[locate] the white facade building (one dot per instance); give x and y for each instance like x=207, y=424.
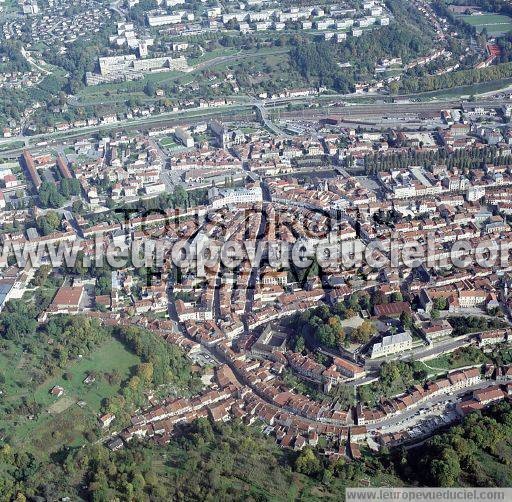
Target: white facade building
x=392, y=344
x=219, y=198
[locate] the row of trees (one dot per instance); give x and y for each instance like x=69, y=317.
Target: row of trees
x=466, y=160
x=231, y=461
x=453, y=79
x=178, y=199
x=472, y=324
x=478, y=452
x=206, y=462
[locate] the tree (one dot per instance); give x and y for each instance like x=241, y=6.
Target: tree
x=48, y=223
x=79, y=267
x=363, y=333
x=353, y=302
x=446, y=470
x=379, y=298
x=150, y=89
x=334, y=322
x=17, y=320
x=180, y=197
x=397, y=297
x=77, y=206
x=168, y=362
x=406, y=320
x=308, y=463
x=69, y=186
x=49, y=196
x=440, y=303
x=299, y=344
x=145, y=372
x=343, y=394
x=138, y=482
x=104, y=283
x=394, y=87
x=41, y=275
x=389, y=373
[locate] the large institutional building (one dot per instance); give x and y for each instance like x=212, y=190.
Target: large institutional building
x=219, y=198
x=392, y=344
x=128, y=67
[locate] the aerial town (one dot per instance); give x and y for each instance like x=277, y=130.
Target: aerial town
x=281, y=225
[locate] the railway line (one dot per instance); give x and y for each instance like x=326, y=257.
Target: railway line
x=350, y=114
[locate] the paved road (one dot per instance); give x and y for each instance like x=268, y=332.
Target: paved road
x=215, y=353
x=388, y=423
x=32, y=62
x=254, y=275
x=421, y=353
x=268, y=123
x=116, y=7
x=267, y=196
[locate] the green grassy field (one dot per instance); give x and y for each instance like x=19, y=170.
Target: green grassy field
x=457, y=359
x=207, y=56
x=61, y=419
x=168, y=142
x=495, y=24
x=109, y=357
x=118, y=92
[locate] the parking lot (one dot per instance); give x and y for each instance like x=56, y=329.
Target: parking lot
x=203, y=359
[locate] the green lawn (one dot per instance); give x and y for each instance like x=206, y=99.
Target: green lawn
x=216, y=53
x=118, y=92
x=168, y=142
x=109, y=357
x=467, y=356
x=61, y=420
x=494, y=23
x=11, y=362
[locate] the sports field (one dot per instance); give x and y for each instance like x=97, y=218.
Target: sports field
x=496, y=24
